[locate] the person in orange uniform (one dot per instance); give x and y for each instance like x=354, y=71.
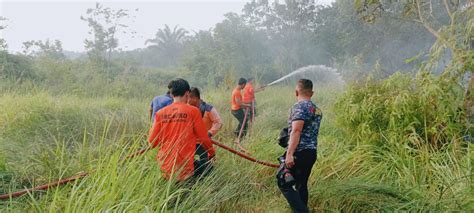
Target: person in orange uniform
x=237, y=107
x=209, y=114
x=211, y=119
x=176, y=130
x=249, y=97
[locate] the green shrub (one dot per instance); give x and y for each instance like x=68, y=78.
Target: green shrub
x=401, y=109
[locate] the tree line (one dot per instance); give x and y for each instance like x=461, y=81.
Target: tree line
x=267, y=40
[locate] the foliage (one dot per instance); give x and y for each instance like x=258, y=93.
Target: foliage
x=15, y=68
x=387, y=42
x=3, y=42
x=294, y=34
x=73, y=134
x=401, y=110
x=104, y=23
x=448, y=21
x=281, y=18
x=46, y=48
x=233, y=49
x=386, y=144
x=167, y=45
x=82, y=77
x=427, y=110
x=272, y=39
x=291, y=28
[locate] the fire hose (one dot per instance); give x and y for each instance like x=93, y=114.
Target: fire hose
x=244, y=123
x=243, y=154
x=253, y=111
x=84, y=174
x=44, y=187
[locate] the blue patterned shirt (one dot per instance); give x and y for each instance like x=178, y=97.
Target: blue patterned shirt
x=308, y=112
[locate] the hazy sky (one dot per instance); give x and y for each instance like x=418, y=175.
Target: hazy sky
x=39, y=19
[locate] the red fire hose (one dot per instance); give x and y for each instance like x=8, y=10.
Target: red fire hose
x=243, y=155
x=253, y=111
x=244, y=123
x=44, y=187
x=83, y=174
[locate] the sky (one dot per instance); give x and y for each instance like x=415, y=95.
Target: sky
x=40, y=19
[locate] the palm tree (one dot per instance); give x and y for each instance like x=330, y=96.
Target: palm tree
x=166, y=38
x=168, y=43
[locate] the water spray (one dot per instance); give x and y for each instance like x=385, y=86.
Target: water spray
x=309, y=69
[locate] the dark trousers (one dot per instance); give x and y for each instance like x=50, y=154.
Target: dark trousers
x=297, y=196
x=202, y=165
x=240, y=114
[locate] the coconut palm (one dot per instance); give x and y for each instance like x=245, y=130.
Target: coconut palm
x=166, y=37
x=168, y=43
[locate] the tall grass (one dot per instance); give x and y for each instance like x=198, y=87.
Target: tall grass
x=45, y=137
x=419, y=112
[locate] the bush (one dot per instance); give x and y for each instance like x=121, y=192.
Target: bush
x=15, y=67
x=419, y=111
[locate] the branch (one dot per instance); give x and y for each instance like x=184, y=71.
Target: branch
x=447, y=9
x=423, y=21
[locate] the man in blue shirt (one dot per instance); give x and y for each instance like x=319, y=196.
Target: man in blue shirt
x=158, y=103
x=303, y=127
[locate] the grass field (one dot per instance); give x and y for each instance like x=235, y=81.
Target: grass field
x=45, y=137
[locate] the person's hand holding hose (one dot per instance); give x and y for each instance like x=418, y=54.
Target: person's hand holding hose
x=289, y=161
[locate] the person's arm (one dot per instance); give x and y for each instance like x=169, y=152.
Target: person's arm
x=216, y=121
x=238, y=100
x=200, y=131
x=260, y=89
x=295, y=134
x=153, y=139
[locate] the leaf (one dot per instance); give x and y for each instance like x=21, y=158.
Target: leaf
x=412, y=59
